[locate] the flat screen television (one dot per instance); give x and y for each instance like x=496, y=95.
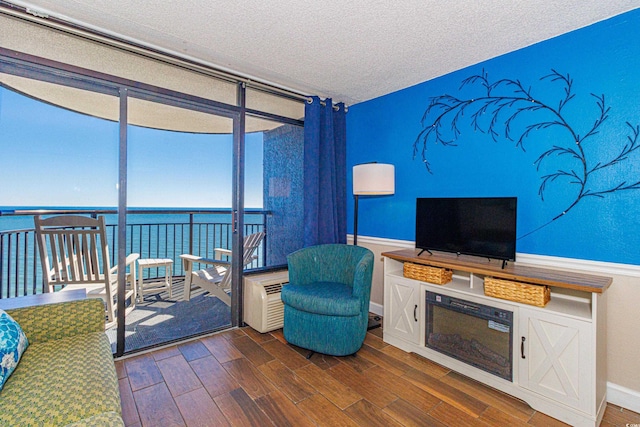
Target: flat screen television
x=480, y=226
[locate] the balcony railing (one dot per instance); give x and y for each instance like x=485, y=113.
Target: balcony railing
x=20, y=267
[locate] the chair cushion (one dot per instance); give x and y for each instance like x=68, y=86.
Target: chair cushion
x=13, y=343
x=326, y=298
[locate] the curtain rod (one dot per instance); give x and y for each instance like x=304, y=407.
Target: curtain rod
x=336, y=107
x=42, y=18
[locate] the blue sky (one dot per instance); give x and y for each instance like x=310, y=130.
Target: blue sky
x=55, y=157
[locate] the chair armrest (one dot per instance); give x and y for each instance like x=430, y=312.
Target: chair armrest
x=362, y=278
x=189, y=257
x=188, y=261
x=131, y=258
x=222, y=252
x=219, y=253
x=60, y=320
x=128, y=262
x=210, y=261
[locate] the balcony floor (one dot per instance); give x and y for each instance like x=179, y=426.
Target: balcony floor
x=158, y=319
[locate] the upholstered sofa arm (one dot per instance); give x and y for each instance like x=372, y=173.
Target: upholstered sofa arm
x=60, y=320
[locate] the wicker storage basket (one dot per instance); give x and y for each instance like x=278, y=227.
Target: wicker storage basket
x=426, y=273
x=538, y=295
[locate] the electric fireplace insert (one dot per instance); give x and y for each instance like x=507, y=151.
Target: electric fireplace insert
x=477, y=334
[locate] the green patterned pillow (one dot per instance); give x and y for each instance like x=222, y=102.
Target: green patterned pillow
x=13, y=342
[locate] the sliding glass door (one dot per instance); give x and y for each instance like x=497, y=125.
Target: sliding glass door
x=179, y=176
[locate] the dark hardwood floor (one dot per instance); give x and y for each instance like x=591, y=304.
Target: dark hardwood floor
x=243, y=378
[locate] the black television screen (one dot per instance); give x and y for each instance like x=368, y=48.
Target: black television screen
x=480, y=226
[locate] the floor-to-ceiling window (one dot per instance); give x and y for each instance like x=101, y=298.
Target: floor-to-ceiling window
x=53, y=156
x=192, y=171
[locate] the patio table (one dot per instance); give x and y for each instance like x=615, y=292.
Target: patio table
x=156, y=286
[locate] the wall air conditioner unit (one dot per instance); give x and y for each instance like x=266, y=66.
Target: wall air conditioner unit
x=263, y=308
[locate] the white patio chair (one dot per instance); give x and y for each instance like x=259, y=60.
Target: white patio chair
x=75, y=255
x=217, y=278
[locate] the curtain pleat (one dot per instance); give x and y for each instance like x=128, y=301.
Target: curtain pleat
x=325, y=175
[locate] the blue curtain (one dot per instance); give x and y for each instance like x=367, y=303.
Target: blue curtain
x=325, y=173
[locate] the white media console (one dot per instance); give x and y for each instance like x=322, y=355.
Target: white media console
x=558, y=351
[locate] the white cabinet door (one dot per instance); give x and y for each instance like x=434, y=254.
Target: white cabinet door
x=402, y=312
x=556, y=357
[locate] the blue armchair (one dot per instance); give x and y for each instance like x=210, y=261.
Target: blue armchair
x=326, y=303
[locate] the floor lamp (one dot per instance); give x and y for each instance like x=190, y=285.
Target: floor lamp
x=371, y=179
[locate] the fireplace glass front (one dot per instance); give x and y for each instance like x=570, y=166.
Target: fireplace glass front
x=479, y=335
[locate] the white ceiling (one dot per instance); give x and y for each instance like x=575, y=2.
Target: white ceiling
x=351, y=50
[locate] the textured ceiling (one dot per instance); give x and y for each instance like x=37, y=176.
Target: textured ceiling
x=348, y=50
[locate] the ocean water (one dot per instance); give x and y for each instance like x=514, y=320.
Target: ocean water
x=9, y=221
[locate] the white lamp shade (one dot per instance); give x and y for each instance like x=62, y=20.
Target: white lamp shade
x=373, y=179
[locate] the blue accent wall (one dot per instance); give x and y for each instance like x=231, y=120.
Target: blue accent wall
x=602, y=220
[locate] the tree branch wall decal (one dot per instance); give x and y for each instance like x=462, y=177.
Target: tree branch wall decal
x=507, y=109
